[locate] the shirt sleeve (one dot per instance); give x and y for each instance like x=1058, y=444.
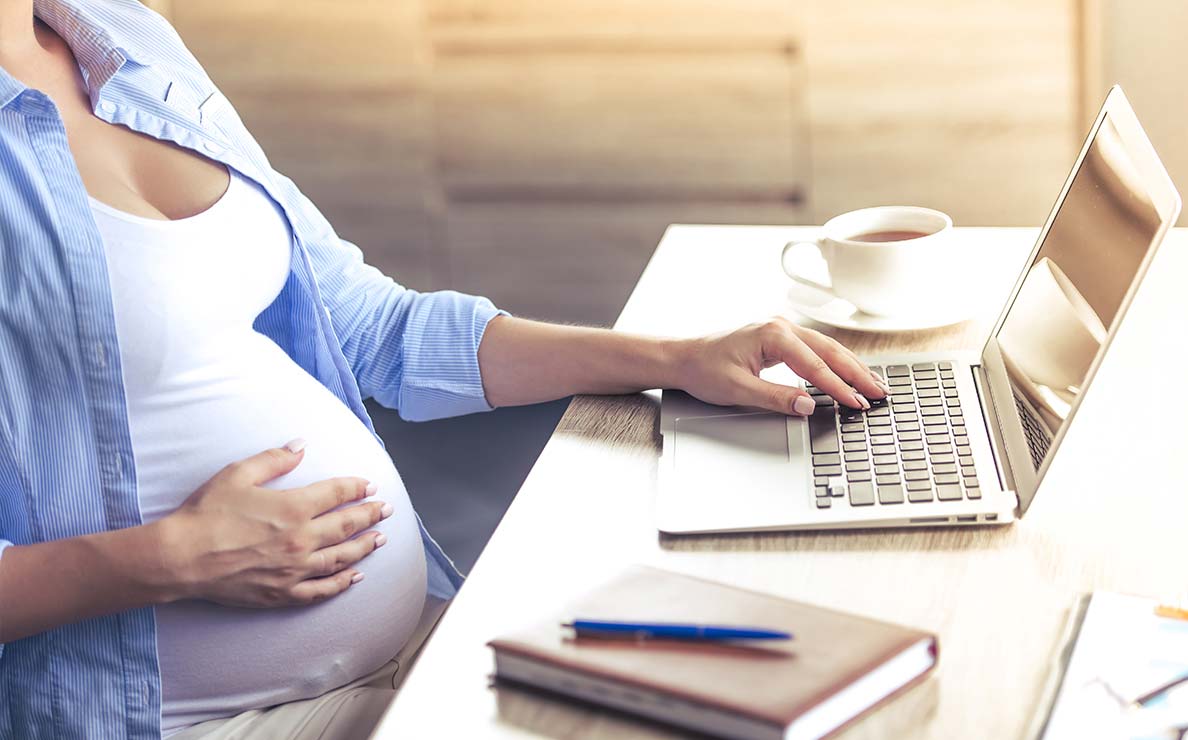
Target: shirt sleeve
x=413, y=352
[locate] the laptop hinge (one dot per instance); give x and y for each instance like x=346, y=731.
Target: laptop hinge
x=989, y=415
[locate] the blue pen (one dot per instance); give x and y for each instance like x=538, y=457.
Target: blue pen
x=671, y=631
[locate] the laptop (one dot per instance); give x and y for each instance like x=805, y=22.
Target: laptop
x=964, y=438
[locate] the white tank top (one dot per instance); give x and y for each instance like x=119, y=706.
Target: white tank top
x=205, y=389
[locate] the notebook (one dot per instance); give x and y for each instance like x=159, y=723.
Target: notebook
x=837, y=667
x=1119, y=672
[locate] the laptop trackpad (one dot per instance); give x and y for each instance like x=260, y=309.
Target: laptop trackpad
x=749, y=452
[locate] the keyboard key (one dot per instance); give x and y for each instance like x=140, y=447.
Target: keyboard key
x=887, y=480
x=879, y=421
x=822, y=431
x=902, y=418
x=886, y=460
x=915, y=475
x=822, y=481
x=880, y=448
x=909, y=426
x=958, y=428
x=902, y=398
x=876, y=369
x=926, y=401
x=858, y=476
x=827, y=470
x=946, y=365
x=944, y=468
x=928, y=393
x=861, y=494
x=943, y=458
x=936, y=439
x=912, y=455
x=911, y=445
x=824, y=503
x=895, y=371
x=926, y=384
x=879, y=432
x=900, y=382
x=933, y=411
x=860, y=455
x=948, y=493
x=855, y=465
x=920, y=494
x=822, y=491
x=823, y=401
x=924, y=374
x=827, y=459
x=947, y=374
x=888, y=470
x=890, y=494
x=948, y=383
x=853, y=427
x=923, y=366
x=973, y=492
x=944, y=479
x=971, y=482
x=915, y=465
x=951, y=396
x=945, y=449
x=964, y=457
x=854, y=437
x=854, y=446
x=909, y=436
x=934, y=421
x=879, y=411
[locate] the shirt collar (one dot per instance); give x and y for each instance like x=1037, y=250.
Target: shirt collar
x=100, y=51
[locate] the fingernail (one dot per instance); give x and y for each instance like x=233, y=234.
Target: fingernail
x=804, y=405
x=388, y=510
x=370, y=489
x=861, y=399
x=356, y=578
x=295, y=445
x=380, y=539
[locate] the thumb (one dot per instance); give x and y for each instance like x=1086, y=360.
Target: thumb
x=785, y=399
x=273, y=463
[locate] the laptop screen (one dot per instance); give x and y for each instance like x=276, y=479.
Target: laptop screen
x=1073, y=290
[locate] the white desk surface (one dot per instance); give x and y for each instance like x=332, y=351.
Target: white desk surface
x=1112, y=514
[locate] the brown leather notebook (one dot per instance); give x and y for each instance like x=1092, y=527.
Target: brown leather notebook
x=836, y=667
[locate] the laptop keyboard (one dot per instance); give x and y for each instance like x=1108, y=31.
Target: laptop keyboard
x=910, y=447
x=1038, y=440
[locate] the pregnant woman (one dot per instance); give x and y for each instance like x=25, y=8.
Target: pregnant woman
x=200, y=534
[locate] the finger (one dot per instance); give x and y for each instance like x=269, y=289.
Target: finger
x=320, y=589
x=318, y=498
x=269, y=464
x=844, y=363
x=785, y=399
x=792, y=351
x=339, y=526
x=331, y=560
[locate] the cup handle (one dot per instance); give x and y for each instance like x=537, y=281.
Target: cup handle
x=793, y=247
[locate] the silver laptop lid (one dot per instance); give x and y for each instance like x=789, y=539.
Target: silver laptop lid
x=1112, y=213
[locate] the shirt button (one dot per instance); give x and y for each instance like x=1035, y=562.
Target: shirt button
x=107, y=106
x=100, y=355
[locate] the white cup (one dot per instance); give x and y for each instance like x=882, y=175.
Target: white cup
x=884, y=278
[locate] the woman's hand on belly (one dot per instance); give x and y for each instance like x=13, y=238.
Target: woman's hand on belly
x=239, y=544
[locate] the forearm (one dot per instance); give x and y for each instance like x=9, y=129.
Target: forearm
x=50, y=584
x=526, y=362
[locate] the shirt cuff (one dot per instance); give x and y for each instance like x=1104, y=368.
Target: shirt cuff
x=441, y=367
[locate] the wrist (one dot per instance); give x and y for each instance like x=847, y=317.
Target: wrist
x=675, y=356
x=165, y=573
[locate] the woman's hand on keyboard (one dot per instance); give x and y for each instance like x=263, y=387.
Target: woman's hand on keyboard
x=724, y=368
x=239, y=544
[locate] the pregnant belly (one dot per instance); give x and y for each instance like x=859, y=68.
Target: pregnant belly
x=217, y=661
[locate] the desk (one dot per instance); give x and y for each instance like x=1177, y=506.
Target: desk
x=1111, y=515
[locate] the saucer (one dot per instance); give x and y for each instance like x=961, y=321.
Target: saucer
x=828, y=309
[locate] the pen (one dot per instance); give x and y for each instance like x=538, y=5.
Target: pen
x=671, y=631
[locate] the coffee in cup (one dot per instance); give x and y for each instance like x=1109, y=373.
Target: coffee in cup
x=886, y=260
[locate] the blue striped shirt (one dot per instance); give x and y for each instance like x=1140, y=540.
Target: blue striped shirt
x=66, y=462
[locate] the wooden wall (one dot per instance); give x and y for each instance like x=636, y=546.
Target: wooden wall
x=534, y=150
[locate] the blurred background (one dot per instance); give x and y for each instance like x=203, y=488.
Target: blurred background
x=533, y=151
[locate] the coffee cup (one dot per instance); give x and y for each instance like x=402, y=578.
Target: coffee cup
x=886, y=260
